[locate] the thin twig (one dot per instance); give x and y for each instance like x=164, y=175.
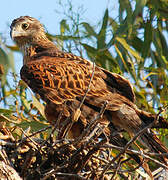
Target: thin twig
x=88, y=89
x=117, y=168
x=114, y=168
x=144, y=154
x=34, y=144
x=90, y=153
x=59, y=174
x=40, y=131
x=134, y=151
x=33, y=134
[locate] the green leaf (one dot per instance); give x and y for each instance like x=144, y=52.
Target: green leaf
x=159, y=7
x=122, y=58
x=63, y=26
x=113, y=24
x=128, y=65
x=148, y=35
x=163, y=43
x=13, y=48
x=64, y=37
x=101, y=38
x=90, y=30
x=137, y=43
x=11, y=61
x=91, y=51
x=35, y=125
x=24, y=99
x=124, y=5
x=38, y=105
x=6, y=111
x=123, y=42
x=139, y=8
x=159, y=47
x=4, y=60
x=156, y=59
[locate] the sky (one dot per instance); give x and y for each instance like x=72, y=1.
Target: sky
x=45, y=11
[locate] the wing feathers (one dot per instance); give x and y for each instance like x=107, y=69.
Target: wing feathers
x=60, y=79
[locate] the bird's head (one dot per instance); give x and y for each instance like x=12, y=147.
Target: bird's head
x=29, y=35
x=25, y=30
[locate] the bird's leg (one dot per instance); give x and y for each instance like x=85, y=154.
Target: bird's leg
x=74, y=118
x=76, y=115
x=63, y=130
x=132, y=135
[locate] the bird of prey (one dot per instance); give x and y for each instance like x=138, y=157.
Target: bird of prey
x=62, y=79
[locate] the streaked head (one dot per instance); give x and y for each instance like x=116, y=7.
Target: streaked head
x=26, y=29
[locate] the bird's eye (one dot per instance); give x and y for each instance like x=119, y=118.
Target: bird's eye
x=25, y=26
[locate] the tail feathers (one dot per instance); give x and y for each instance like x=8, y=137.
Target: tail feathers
x=162, y=123
x=149, y=139
x=155, y=145
x=148, y=118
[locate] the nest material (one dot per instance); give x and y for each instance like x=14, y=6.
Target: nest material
x=88, y=157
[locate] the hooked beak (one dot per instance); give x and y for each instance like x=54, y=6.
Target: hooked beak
x=14, y=33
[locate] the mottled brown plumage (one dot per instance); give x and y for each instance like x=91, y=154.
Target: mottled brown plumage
x=62, y=79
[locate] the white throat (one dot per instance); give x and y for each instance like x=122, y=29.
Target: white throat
x=25, y=49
